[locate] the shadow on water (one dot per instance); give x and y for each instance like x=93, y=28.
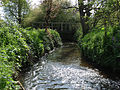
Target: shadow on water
x=63, y=69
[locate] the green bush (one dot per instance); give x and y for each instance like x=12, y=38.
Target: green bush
x=78, y=35
x=41, y=42
x=103, y=51
x=12, y=39
x=56, y=38
x=13, y=52
x=17, y=46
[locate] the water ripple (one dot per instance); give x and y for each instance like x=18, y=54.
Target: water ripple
x=66, y=73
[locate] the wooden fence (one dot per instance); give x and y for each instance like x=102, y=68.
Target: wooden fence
x=59, y=26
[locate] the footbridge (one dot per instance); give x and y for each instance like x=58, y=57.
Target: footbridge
x=65, y=29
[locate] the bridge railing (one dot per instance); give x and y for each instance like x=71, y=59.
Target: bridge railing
x=59, y=26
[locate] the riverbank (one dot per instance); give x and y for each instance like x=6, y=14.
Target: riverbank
x=20, y=48
x=103, y=51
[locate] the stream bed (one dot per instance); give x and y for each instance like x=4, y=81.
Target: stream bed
x=64, y=69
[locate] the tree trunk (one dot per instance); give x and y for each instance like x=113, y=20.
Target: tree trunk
x=19, y=12
x=48, y=12
x=84, y=25
x=46, y=24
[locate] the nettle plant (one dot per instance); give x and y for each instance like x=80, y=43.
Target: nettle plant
x=13, y=52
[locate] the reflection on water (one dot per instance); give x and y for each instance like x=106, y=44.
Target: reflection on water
x=64, y=69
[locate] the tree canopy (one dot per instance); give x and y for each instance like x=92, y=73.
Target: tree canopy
x=15, y=10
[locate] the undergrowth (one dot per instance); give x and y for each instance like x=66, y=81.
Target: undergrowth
x=105, y=52
x=19, y=46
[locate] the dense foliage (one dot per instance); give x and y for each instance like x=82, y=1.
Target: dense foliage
x=103, y=51
x=19, y=46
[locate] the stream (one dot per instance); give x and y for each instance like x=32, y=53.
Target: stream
x=64, y=69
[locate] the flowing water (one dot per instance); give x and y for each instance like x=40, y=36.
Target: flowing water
x=63, y=69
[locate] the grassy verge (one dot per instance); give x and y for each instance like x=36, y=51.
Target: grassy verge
x=20, y=47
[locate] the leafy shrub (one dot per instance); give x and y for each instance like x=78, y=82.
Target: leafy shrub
x=13, y=50
x=56, y=38
x=103, y=51
x=78, y=35
x=40, y=41
x=12, y=39
x=17, y=45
